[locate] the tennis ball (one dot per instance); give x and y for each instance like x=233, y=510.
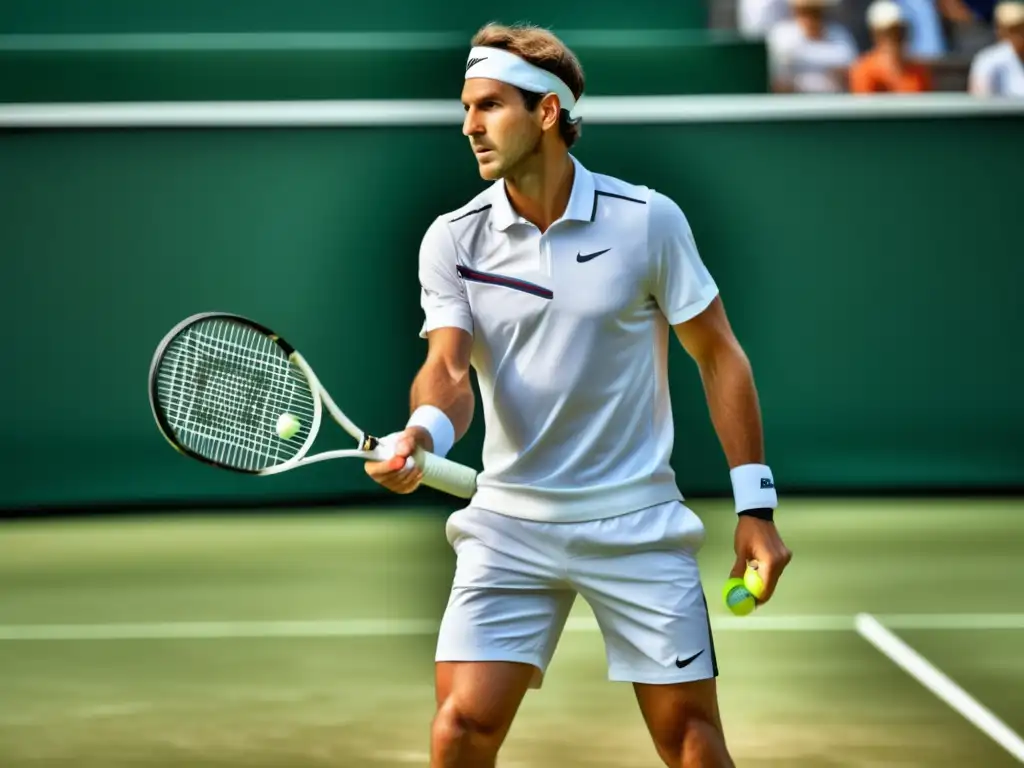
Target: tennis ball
x=287, y=426
x=752, y=581
x=738, y=598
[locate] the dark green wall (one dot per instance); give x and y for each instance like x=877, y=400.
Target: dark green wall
x=65, y=16
x=871, y=268
x=413, y=66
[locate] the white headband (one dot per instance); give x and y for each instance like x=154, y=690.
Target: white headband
x=498, y=64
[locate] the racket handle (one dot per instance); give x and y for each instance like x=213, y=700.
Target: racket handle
x=445, y=475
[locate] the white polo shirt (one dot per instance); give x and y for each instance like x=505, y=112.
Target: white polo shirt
x=997, y=71
x=570, y=342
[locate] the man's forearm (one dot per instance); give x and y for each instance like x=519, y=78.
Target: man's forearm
x=437, y=385
x=733, y=406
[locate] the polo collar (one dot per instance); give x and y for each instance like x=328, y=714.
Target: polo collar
x=580, y=207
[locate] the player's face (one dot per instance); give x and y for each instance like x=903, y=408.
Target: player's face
x=502, y=132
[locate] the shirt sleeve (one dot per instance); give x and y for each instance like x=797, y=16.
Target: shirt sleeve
x=680, y=282
x=979, y=78
x=862, y=76
x=779, y=56
x=442, y=292
x=755, y=17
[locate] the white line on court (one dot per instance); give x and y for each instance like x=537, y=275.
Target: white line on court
x=755, y=623
x=934, y=680
x=953, y=620
x=225, y=630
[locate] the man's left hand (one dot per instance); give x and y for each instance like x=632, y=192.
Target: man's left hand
x=759, y=540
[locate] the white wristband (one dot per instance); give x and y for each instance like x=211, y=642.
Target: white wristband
x=434, y=420
x=753, y=487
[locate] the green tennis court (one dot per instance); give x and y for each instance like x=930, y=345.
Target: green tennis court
x=306, y=639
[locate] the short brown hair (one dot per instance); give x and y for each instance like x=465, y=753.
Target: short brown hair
x=542, y=49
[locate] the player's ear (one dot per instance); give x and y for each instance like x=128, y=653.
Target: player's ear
x=550, y=112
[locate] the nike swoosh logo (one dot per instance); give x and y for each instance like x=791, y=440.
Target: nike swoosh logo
x=473, y=62
x=686, y=662
x=581, y=257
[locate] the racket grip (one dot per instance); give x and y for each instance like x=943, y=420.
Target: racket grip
x=445, y=475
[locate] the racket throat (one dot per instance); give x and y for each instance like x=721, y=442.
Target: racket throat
x=368, y=442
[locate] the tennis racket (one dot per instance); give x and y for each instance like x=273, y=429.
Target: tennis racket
x=220, y=382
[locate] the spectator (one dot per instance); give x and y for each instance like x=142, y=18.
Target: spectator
x=810, y=53
x=925, y=38
x=999, y=69
x=980, y=11
x=969, y=23
x=885, y=68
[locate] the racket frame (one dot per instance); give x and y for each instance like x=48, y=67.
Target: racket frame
x=369, y=447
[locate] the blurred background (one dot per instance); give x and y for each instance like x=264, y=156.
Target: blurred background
x=851, y=171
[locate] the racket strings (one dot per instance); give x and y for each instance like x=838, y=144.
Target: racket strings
x=228, y=393
x=222, y=386
x=202, y=411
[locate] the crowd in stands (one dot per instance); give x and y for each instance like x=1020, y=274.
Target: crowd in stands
x=836, y=46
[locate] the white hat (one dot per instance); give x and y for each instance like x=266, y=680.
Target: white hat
x=1010, y=13
x=883, y=14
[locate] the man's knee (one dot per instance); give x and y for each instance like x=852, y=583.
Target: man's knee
x=456, y=730
x=695, y=738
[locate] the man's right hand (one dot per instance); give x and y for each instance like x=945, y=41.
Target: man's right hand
x=399, y=474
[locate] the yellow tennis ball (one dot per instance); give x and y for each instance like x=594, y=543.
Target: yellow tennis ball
x=287, y=426
x=752, y=581
x=737, y=597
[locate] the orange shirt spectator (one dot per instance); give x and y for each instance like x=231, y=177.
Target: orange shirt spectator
x=874, y=72
x=885, y=68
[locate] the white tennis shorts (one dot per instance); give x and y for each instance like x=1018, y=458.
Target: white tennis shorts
x=516, y=580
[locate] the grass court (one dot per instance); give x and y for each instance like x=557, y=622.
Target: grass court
x=305, y=640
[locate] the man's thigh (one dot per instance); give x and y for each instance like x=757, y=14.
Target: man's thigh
x=486, y=692
x=639, y=574
x=685, y=723
x=666, y=707
x=484, y=624
x=476, y=704
x=508, y=602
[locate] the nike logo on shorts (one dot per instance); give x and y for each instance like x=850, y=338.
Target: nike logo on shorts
x=686, y=662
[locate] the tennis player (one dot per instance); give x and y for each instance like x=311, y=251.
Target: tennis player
x=561, y=287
